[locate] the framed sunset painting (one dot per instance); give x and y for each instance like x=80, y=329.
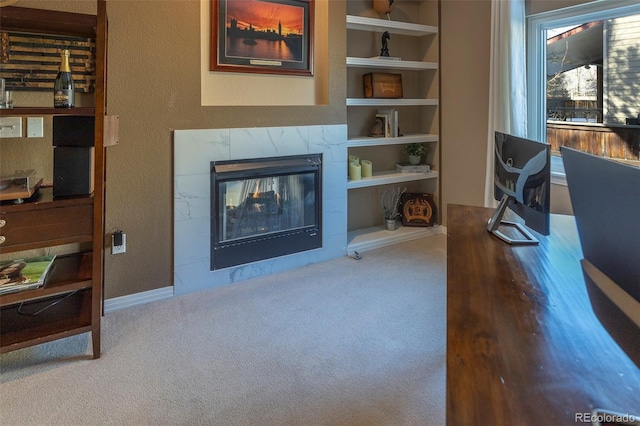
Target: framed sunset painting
x=262, y=36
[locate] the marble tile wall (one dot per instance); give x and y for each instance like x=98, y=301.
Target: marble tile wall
x=193, y=152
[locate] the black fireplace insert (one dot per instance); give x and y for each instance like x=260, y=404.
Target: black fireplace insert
x=264, y=208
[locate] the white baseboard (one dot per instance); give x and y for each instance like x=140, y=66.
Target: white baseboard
x=372, y=238
x=122, y=302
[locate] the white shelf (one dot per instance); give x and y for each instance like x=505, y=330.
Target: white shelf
x=394, y=27
x=390, y=102
x=371, y=141
x=388, y=177
x=362, y=240
x=355, y=62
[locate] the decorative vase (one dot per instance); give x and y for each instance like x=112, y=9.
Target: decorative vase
x=391, y=224
x=414, y=159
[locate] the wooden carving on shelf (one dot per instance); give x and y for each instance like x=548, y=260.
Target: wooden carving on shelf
x=418, y=209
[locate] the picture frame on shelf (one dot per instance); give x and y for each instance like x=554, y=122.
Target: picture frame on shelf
x=386, y=124
x=418, y=209
x=267, y=37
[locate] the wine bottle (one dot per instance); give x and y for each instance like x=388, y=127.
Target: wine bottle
x=63, y=94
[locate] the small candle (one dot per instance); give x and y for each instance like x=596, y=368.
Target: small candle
x=367, y=168
x=355, y=172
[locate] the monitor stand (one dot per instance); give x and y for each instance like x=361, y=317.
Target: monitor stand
x=496, y=220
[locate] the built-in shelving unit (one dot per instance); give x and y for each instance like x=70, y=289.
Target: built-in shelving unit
x=401, y=140
x=389, y=177
x=390, y=63
x=393, y=27
x=418, y=109
x=391, y=102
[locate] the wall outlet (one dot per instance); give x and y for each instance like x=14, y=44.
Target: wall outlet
x=35, y=127
x=118, y=242
x=10, y=127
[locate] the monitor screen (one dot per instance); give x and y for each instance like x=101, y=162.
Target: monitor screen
x=605, y=196
x=522, y=182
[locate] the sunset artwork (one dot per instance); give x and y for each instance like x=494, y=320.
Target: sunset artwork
x=263, y=36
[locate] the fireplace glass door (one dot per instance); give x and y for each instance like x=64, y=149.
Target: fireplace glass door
x=264, y=209
x=265, y=205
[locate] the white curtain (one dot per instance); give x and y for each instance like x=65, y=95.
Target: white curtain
x=508, y=82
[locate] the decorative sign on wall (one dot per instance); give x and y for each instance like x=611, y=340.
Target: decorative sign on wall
x=262, y=36
x=31, y=61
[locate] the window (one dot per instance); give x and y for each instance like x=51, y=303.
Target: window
x=583, y=86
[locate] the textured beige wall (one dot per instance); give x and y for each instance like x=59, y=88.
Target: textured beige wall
x=465, y=36
x=154, y=86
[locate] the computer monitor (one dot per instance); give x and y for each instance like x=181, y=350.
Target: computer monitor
x=605, y=197
x=522, y=182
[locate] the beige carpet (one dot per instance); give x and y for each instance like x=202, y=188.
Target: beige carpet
x=345, y=342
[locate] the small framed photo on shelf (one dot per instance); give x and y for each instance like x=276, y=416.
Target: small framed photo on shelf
x=386, y=125
x=417, y=209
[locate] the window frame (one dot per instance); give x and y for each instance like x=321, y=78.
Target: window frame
x=537, y=25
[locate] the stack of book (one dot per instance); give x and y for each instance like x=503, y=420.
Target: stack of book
x=413, y=168
x=24, y=274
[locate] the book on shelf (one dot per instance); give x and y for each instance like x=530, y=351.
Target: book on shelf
x=392, y=119
x=24, y=274
x=413, y=168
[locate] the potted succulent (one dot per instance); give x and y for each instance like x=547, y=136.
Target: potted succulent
x=415, y=152
x=390, y=202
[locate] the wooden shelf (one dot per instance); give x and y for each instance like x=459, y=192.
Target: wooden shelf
x=390, y=102
x=24, y=111
x=44, y=199
x=362, y=240
x=401, y=140
x=355, y=62
x=45, y=221
x=42, y=21
x=394, y=27
x=72, y=315
x=68, y=273
x=389, y=177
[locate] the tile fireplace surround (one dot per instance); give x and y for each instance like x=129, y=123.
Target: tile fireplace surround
x=193, y=151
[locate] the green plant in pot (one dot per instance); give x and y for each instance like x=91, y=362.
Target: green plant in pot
x=415, y=152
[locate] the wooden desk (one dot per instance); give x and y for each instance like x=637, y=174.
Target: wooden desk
x=523, y=344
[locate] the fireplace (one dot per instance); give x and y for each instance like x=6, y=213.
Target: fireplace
x=265, y=208
x=195, y=149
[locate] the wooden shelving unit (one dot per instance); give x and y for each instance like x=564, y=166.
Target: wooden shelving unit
x=70, y=302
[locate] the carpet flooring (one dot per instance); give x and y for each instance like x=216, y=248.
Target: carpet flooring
x=344, y=342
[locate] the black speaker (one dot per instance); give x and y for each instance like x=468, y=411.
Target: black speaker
x=72, y=171
x=73, y=130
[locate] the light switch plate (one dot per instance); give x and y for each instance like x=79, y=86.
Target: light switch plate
x=10, y=127
x=35, y=127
